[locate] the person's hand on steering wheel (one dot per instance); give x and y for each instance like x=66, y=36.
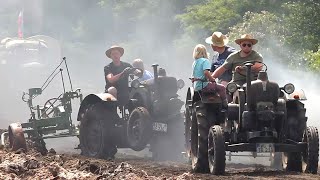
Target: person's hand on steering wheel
x=126, y=71
x=138, y=72
x=239, y=68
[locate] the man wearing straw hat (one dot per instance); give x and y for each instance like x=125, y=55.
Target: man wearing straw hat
x=218, y=42
x=235, y=61
x=116, y=74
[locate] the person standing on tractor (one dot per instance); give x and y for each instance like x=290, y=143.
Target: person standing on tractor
x=138, y=63
x=218, y=42
x=116, y=74
x=235, y=60
x=201, y=76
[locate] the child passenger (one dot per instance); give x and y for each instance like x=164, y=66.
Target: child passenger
x=201, y=75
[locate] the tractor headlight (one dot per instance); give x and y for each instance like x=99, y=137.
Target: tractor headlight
x=180, y=83
x=289, y=88
x=232, y=87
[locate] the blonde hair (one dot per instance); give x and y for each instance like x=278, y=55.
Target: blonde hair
x=200, y=51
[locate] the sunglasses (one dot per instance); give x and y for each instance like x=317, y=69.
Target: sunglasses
x=244, y=45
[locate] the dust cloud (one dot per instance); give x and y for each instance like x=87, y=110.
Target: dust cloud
x=150, y=39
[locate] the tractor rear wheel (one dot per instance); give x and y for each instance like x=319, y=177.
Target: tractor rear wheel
x=96, y=132
x=310, y=157
x=216, y=150
x=187, y=131
x=291, y=161
x=199, y=140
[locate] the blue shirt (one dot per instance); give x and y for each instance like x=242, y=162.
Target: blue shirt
x=146, y=75
x=226, y=76
x=198, y=68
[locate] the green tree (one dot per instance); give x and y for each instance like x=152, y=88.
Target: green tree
x=302, y=25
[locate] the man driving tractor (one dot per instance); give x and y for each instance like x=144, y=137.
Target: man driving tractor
x=236, y=59
x=116, y=74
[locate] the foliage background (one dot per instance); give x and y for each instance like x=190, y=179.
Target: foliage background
x=165, y=32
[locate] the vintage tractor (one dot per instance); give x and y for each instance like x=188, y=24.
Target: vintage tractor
x=52, y=120
x=151, y=116
x=263, y=118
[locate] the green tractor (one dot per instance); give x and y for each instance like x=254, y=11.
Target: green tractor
x=151, y=117
x=262, y=118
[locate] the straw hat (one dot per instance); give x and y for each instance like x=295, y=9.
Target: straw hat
x=120, y=49
x=217, y=39
x=246, y=37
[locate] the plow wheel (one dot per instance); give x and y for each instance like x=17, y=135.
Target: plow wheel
x=216, y=150
x=139, y=128
x=16, y=137
x=199, y=140
x=96, y=132
x=310, y=156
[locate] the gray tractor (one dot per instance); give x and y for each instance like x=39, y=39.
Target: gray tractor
x=262, y=118
x=151, y=118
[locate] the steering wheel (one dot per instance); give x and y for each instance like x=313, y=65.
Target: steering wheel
x=132, y=70
x=49, y=104
x=244, y=65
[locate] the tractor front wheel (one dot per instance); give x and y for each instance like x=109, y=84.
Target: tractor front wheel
x=216, y=150
x=139, y=128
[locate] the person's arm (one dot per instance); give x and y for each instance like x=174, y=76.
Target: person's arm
x=110, y=77
x=207, y=74
x=113, y=78
x=224, y=67
x=218, y=72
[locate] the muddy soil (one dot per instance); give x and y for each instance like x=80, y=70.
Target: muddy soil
x=33, y=165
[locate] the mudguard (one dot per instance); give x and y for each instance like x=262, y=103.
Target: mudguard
x=96, y=98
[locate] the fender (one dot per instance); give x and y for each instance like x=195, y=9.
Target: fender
x=96, y=98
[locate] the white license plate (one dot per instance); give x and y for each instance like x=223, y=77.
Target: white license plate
x=160, y=127
x=265, y=147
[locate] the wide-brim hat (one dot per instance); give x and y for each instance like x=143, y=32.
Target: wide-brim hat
x=246, y=37
x=217, y=39
x=120, y=49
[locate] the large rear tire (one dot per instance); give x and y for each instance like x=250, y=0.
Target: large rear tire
x=310, y=157
x=216, y=150
x=294, y=127
x=199, y=140
x=187, y=132
x=291, y=161
x=97, y=126
x=139, y=128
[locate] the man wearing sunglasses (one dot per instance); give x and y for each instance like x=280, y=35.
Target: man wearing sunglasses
x=218, y=42
x=235, y=61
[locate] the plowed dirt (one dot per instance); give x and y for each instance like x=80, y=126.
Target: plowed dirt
x=33, y=165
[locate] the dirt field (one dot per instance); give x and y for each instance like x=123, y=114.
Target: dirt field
x=32, y=165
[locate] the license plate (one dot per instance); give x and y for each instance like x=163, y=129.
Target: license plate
x=265, y=147
x=160, y=127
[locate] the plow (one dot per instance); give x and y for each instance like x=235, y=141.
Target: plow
x=50, y=120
